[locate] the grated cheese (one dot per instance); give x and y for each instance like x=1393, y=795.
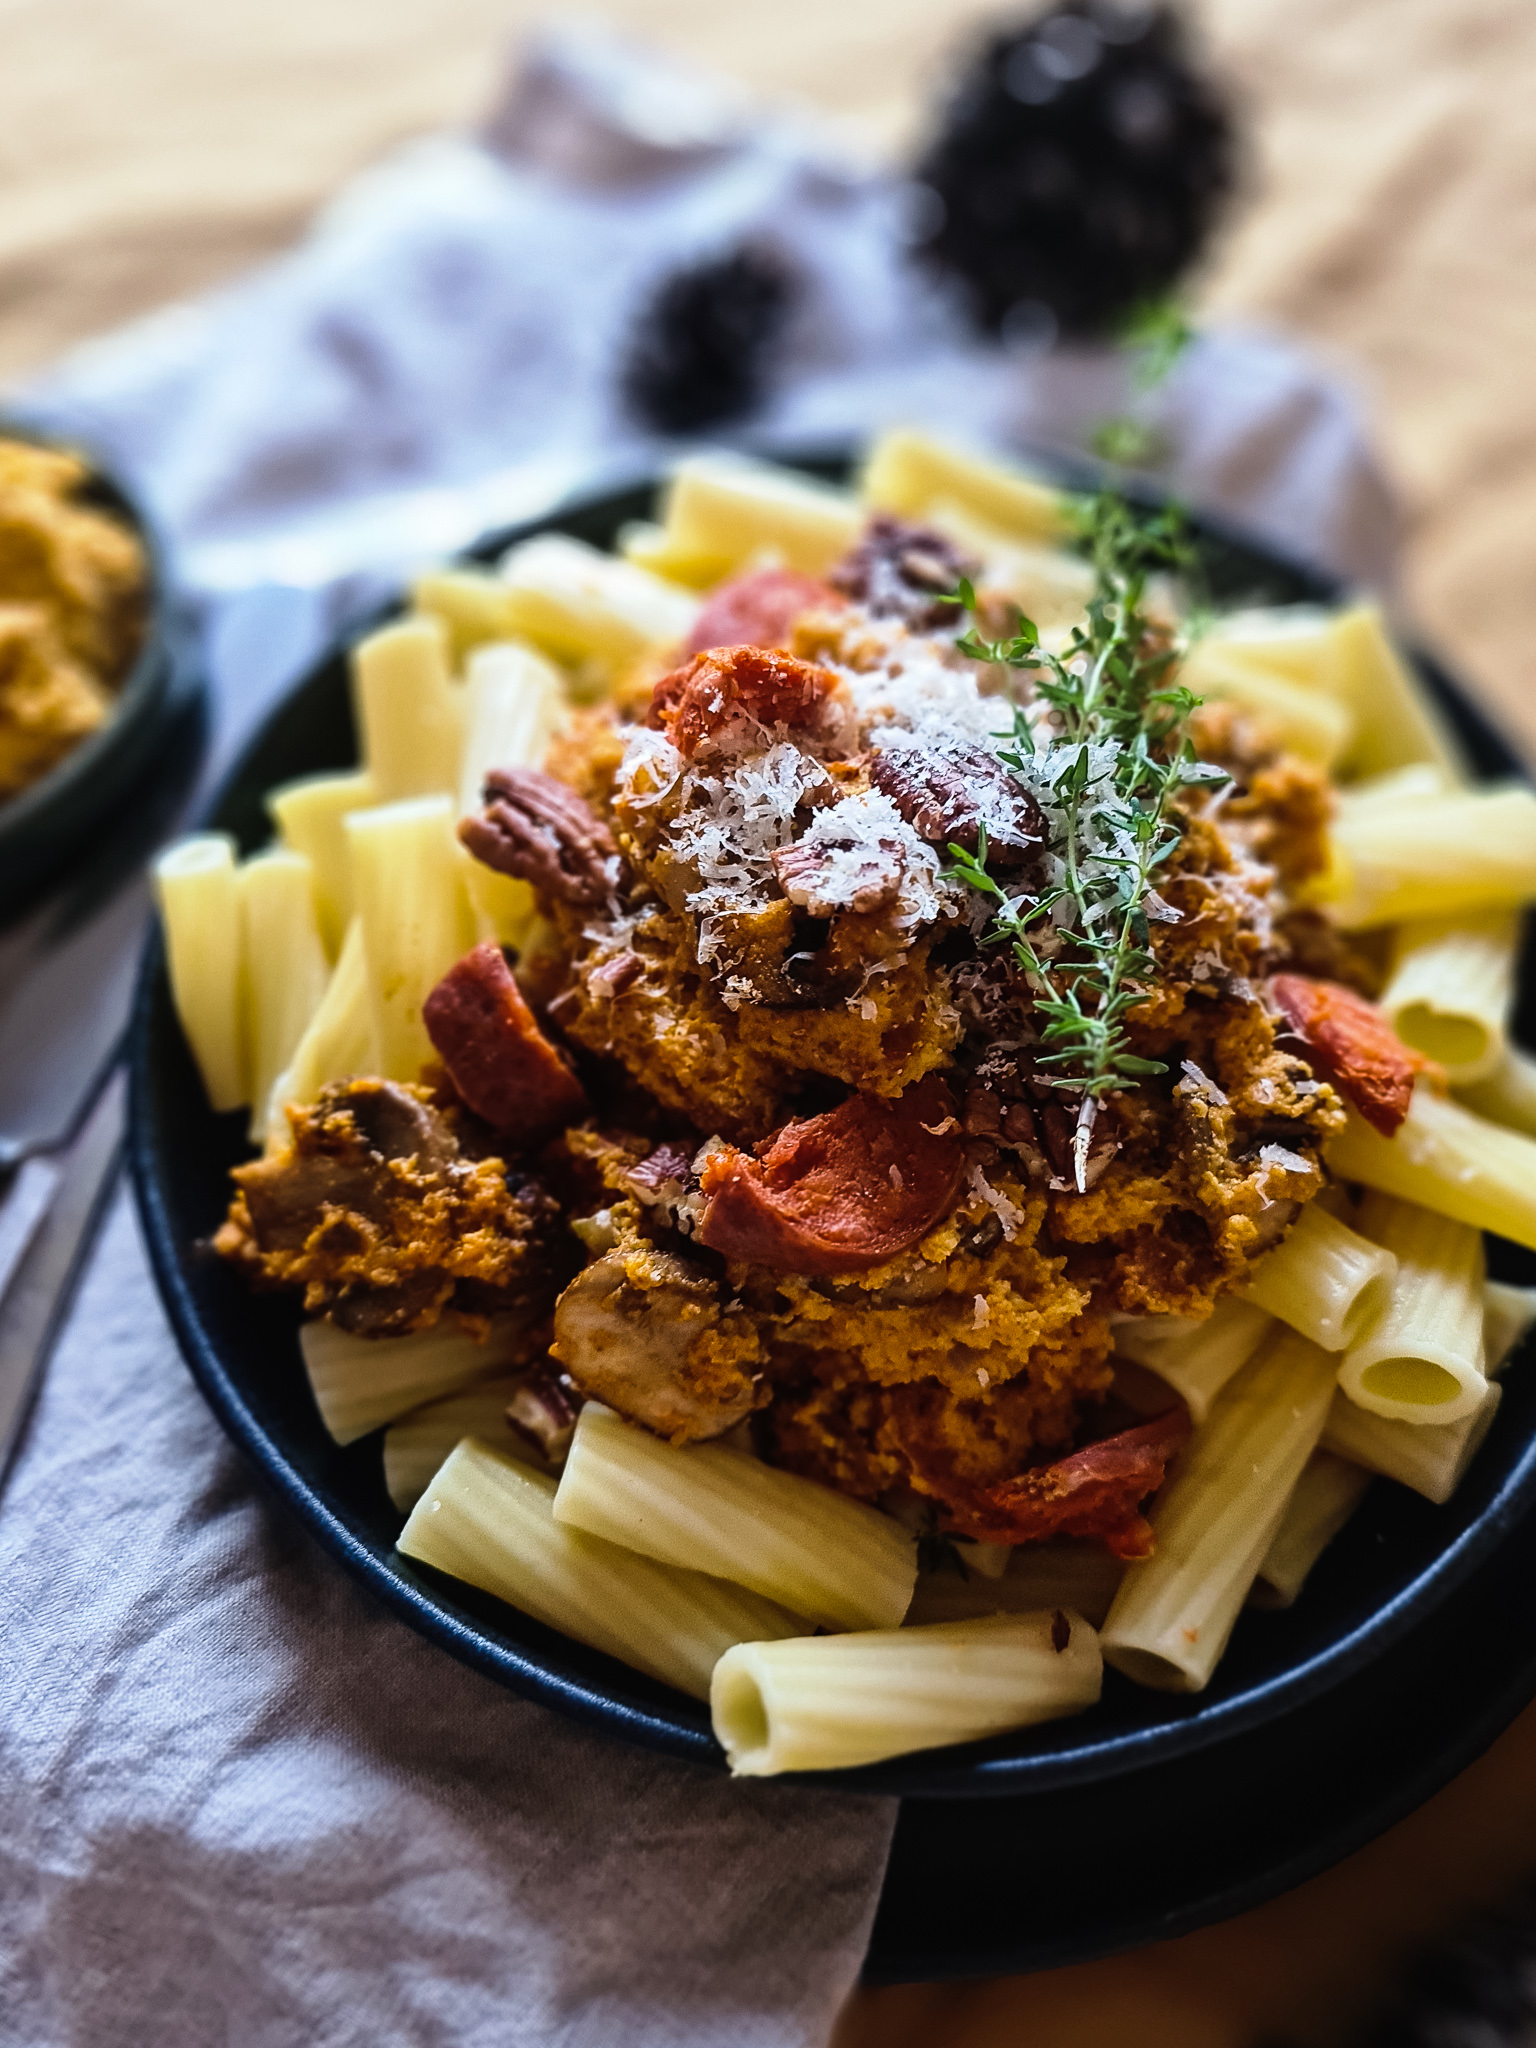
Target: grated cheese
x=1008, y=1213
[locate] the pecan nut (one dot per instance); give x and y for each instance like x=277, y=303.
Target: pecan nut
x=902, y=571
x=825, y=876
x=944, y=797
x=541, y=831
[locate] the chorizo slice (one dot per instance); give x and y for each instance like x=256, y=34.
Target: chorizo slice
x=1351, y=1043
x=837, y=1193
x=499, y=1060
x=758, y=609
x=1097, y=1491
x=725, y=684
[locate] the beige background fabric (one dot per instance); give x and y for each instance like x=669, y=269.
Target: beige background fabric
x=149, y=148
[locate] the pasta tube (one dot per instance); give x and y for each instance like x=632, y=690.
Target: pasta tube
x=285, y=968
x=1508, y=1095
x=825, y=1703
x=1317, y=727
x=1421, y=1359
x=487, y=1519
x=1397, y=722
x=1324, y=1279
x=731, y=506
x=309, y=817
x=576, y=602
x=338, y=1041
x=360, y=1383
x=721, y=1511
x=1062, y=1573
x=1293, y=640
x=1217, y=1515
x=1430, y=1457
x=907, y=473
x=1453, y=988
x=1508, y=1314
x=1197, y=1359
x=650, y=546
x=416, y=1445
x=1446, y=1159
x=1327, y=1493
x=1394, y=789
x=199, y=898
x=408, y=709
x=415, y=918
x=1475, y=851
x=471, y=604
x=501, y=907
x=514, y=704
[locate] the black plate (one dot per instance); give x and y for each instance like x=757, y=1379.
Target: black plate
x=44, y=825
x=1391, y=1569
x=1066, y=1876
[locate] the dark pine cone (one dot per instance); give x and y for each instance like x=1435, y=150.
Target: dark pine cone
x=700, y=351
x=1080, y=170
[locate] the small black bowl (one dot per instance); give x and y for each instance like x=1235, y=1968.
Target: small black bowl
x=44, y=825
x=1396, y=1562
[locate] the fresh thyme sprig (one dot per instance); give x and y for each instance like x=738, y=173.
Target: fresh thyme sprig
x=1108, y=759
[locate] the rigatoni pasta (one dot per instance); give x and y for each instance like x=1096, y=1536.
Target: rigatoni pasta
x=339, y=1041
x=409, y=712
x=819, y=1703
x=198, y=892
x=1430, y=1457
x=415, y=917
x=1325, y=1496
x=360, y=1383
x=285, y=968
x=1446, y=1159
x=721, y=1511
x=416, y=1446
x=1452, y=989
x=488, y=1519
x=1507, y=1096
x=1325, y=1280
x=1198, y=1359
x=580, y=604
x=310, y=817
x=1216, y=1518
x=1420, y=1359
x=1466, y=853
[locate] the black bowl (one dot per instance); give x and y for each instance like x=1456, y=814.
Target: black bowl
x=44, y=825
x=1396, y=1562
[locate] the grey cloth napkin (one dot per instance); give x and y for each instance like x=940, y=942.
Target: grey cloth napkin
x=242, y=1807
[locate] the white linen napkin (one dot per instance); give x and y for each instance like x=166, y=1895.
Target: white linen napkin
x=240, y=1804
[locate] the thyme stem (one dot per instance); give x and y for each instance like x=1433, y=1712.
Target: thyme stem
x=1124, y=729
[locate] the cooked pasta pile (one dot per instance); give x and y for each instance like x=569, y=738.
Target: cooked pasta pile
x=879, y=1121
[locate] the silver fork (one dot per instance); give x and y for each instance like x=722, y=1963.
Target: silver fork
x=44, y=1244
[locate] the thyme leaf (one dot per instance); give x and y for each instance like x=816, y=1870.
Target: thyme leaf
x=1103, y=743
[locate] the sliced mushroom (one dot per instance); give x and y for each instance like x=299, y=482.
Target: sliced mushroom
x=637, y=1347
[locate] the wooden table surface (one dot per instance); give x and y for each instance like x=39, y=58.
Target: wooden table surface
x=149, y=148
